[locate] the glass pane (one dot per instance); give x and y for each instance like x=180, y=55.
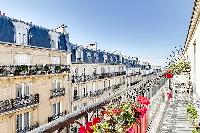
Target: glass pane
x=58, y=85
x=26, y=90
x=19, y=121
x=26, y=119
x=54, y=109
x=75, y=93
x=58, y=108
x=54, y=84
x=19, y=91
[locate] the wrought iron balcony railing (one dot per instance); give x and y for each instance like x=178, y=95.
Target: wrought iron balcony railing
x=21, y=70
x=27, y=128
x=101, y=91
x=122, y=95
x=19, y=102
x=56, y=116
x=85, y=95
x=57, y=92
x=75, y=98
x=84, y=78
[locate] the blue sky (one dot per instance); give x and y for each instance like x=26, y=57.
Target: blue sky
x=149, y=29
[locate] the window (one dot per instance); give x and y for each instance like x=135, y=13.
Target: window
x=55, y=60
x=84, y=104
x=75, y=108
x=75, y=92
x=76, y=71
x=22, y=121
x=22, y=90
x=56, y=108
x=22, y=59
x=105, y=58
x=56, y=84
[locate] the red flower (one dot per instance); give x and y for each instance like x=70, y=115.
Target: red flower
x=142, y=111
x=116, y=111
x=96, y=120
x=131, y=130
x=169, y=95
x=88, y=127
x=82, y=129
x=143, y=100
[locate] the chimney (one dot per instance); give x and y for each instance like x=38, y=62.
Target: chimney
x=4, y=14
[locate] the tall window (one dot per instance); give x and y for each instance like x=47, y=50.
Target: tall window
x=75, y=92
x=56, y=108
x=22, y=59
x=56, y=84
x=55, y=60
x=22, y=90
x=22, y=121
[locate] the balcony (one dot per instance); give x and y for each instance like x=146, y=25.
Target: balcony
x=22, y=70
x=75, y=98
x=56, y=116
x=17, y=103
x=57, y=93
x=82, y=116
x=27, y=128
x=85, y=95
x=83, y=78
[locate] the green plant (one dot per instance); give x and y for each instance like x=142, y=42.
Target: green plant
x=57, y=68
x=180, y=67
x=192, y=114
x=46, y=68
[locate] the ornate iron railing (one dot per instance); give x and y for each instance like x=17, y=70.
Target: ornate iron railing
x=75, y=98
x=83, y=78
x=21, y=70
x=56, y=116
x=57, y=92
x=27, y=128
x=120, y=96
x=19, y=102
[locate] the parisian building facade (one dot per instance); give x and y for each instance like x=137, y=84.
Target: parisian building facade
x=191, y=50
x=43, y=76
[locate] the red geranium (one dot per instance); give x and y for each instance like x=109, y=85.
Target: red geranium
x=142, y=111
x=116, y=111
x=96, y=120
x=143, y=100
x=82, y=129
x=87, y=128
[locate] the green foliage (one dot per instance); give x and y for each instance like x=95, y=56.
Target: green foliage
x=180, y=67
x=192, y=114
x=46, y=68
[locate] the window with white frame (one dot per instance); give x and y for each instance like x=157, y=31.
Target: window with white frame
x=22, y=90
x=22, y=59
x=22, y=121
x=105, y=57
x=55, y=60
x=56, y=84
x=76, y=71
x=57, y=108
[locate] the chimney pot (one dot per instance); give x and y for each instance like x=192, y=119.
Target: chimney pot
x=4, y=14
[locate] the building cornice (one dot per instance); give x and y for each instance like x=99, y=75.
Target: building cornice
x=193, y=24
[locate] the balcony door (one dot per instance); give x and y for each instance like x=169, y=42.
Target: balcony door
x=56, y=85
x=57, y=108
x=22, y=121
x=22, y=90
x=22, y=59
